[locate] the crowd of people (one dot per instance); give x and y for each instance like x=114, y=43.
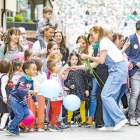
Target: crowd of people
x=114, y=58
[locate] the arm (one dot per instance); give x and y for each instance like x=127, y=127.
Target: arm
x=126, y=45
x=64, y=77
x=62, y=71
x=100, y=59
x=34, y=97
x=45, y=69
x=85, y=81
x=68, y=85
x=91, y=51
x=41, y=26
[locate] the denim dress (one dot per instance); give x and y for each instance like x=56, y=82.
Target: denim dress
x=118, y=72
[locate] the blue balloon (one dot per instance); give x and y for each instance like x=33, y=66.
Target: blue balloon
x=50, y=89
x=71, y=102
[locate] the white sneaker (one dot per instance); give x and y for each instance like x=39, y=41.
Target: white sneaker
x=32, y=130
x=120, y=124
x=106, y=128
x=41, y=130
x=138, y=120
x=133, y=122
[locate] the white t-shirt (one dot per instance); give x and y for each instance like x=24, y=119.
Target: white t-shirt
x=37, y=48
x=112, y=50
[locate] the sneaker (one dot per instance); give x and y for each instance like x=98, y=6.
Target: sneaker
x=133, y=122
x=79, y=124
x=11, y=132
x=120, y=124
x=55, y=128
x=1, y=130
x=41, y=130
x=84, y=124
x=106, y=128
x=68, y=124
x=32, y=130
x=125, y=111
x=60, y=125
x=138, y=120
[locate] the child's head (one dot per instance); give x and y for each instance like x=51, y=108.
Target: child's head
x=74, y=59
x=53, y=66
x=29, y=53
x=29, y=68
x=55, y=55
x=5, y=66
x=51, y=47
x=38, y=63
x=17, y=64
x=47, y=13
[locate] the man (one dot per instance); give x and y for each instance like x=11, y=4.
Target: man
x=133, y=53
x=48, y=34
x=27, y=44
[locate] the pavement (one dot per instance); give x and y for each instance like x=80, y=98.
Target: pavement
x=77, y=133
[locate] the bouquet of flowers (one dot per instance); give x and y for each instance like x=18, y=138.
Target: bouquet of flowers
x=78, y=50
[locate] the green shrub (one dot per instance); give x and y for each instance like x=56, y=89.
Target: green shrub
x=27, y=20
x=18, y=18
x=30, y=21
x=10, y=19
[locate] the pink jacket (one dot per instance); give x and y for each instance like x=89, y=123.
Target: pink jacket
x=16, y=76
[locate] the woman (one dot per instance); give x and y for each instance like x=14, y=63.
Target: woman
x=92, y=82
x=11, y=45
x=61, y=44
x=114, y=119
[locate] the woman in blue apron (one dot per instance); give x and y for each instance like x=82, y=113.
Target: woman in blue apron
x=113, y=117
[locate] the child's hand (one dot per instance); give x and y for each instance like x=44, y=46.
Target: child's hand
x=5, y=100
x=66, y=66
x=130, y=65
x=87, y=93
x=56, y=24
x=72, y=86
x=37, y=106
x=32, y=92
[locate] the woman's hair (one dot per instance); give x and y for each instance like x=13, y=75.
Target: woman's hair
x=5, y=66
x=51, y=63
x=28, y=53
x=74, y=54
x=62, y=45
x=17, y=62
x=49, y=46
x=115, y=37
x=88, y=39
x=53, y=55
x=38, y=63
x=87, y=45
x=98, y=29
x=120, y=36
x=11, y=31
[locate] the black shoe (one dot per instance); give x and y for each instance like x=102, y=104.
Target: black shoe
x=84, y=124
x=68, y=124
x=99, y=126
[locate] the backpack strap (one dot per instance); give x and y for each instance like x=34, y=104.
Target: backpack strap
x=5, y=48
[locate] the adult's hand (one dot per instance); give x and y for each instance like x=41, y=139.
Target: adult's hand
x=138, y=64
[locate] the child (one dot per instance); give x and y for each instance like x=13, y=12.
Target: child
x=78, y=85
x=38, y=79
x=17, y=70
x=29, y=53
x=5, y=69
x=47, y=14
x=17, y=99
x=55, y=103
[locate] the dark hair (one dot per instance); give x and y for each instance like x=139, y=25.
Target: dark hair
x=138, y=25
x=74, y=54
x=38, y=63
x=87, y=45
x=5, y=66
x=28, y=53
x=49, y=46
x=48, y=26
x=47, y=9
x=51, y=63
x=62, y=45
x=11, y=31
x=17, y=62
x=115, y=37
x=26, y=65
x=88, y=39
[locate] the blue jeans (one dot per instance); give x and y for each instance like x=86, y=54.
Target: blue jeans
x=111, y=112
x=20, y=110
x=92, y=106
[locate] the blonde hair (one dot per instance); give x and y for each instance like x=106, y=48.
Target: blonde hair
x=51, y=63
x=47, y=9
x=98, y=29
x=53, y=55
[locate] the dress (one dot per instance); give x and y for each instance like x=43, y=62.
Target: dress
x=5, y=108
x=79, y=79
